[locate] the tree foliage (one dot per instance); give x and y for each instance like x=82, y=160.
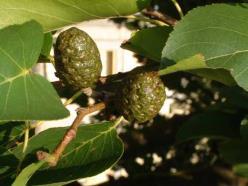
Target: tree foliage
x=199, y=50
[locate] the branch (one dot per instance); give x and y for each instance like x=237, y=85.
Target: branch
x=25, y=145
x=159, y=16
x=87, y=91
x=178, y=7
x=145, y=19
x=69, y=135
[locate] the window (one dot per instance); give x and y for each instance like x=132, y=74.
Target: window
x=109, y=62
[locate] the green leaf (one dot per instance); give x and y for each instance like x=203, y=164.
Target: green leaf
x=148, y=42
x=196, y=65
x=95, y=148
x=212, y=124
x=235, y=96
x=236, y=153
x=23, y=178
x=220, y=37
x=195, y=62
x=241, y=169
x=10, y=131
x=54, y=14
x=8, y=165
x=24, y=95
x=47, y=44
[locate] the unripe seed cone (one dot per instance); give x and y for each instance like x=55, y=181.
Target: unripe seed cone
x=77, y=59
x=142, y=96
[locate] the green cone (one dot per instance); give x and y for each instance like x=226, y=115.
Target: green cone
x=142, y=96
x=77, y=59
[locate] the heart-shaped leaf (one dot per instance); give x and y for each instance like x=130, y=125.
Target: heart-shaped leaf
x=219, y=36
x=24, y=95
x=53, y=14
x=96, y=148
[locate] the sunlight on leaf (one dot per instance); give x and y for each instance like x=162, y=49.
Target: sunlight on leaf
x=54, y=14
x=220, y=37
x=24, y=95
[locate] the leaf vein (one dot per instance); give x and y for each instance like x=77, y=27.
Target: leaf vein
x=6, y=100
x=11, y=59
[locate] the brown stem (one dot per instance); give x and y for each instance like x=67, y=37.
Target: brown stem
x=70, y=134
x=159, y=16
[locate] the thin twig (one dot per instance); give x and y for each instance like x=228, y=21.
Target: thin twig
x=177, y=6
x=25, y=146
x=26, y=138
x=70, y=134
x=75, y=96
x=145, y=19
x=159, y=16
x=86, y=91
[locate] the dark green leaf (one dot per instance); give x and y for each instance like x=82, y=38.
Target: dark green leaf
x=47, y=44
x=235, y=151
x=24, y=95
x=149, y=42
x=216, y=125
x=96, y=148
x=241, y=169
x=10, y=131
x=53, y=14
x=235, y=96
x=220, y=37
x=8, y=165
